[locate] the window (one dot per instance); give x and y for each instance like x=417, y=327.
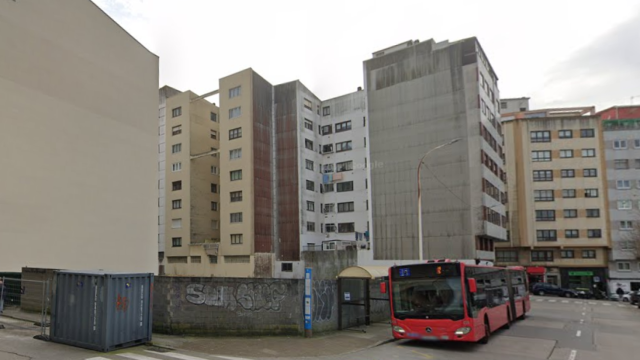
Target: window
x=567, y=254
x=591, y=193
x=503, y=105
x=588, y=254
x=542, y=175
x=343, y=146
x=176, y=242
x=541, y=155
x=236, y=239
x=623, y=184
x=624, y=205
x=176, y=166
x=593, y=213
x=235, y=154
x=176, y=112
x=619, y=144
x=328, y=188
x=311, y=185
x=637, y=163
x=621, y=164
x=233, y=92
x=308, y=144
x=624, y=266
x=177, y=259
x=329, y=228
x=344, y=166
x=286, y=267
x=566, y=154
x=235, y=112
x=343, y=126
x=237, y=259
x=326, y=111
x=345, y=207
x=311, y=206
x=588, y=153
x=345, y=186
x=571, y=234
x=214, y=188
x=308, y=124
x=587, y=133
x=215, y=225
x=214, y=170
x=546, y=235
x=540, y=136
x=236, y=217
x=308, y=104
x=236, y=175
x=176, y=204
x=541, y=255
x=176, y=185
x=327, y=168
x=214, y=206
x=590, y=172
x=636, y=143
x=311, y=226
x=196, y=259
x=506, y=255
x=569, y=193
x=236, y=196
x=543, y=195
x=214, y=134
x=346, y=227
x=326, y=130
x=594, y=233
x=176, y=223
x=626, y=225
x=213, y=116
x=176, y=130
x=327, y=148
x=235, y=133
x=328, y=208
x=308, y=164
x=565, y=134
x=568, y=173
x=570, y=213
x=545, y=215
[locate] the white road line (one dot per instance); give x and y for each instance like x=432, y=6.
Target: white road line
x=577, y=302
x=178, y=355
x=606, y=304
x=573, y=354
x=592, y=303
x=553, y=300
x=620, y=305
x=136, y=356
x=565, y=301
x=539, y=300
x=579, y=333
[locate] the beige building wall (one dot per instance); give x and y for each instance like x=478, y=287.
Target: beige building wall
x=79, y=140
x=192, y=209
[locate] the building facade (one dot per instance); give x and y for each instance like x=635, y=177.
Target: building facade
x=421, y=95
x=191, y=185
x=558, y=202
x=79, y=99
x=514, y=105
x=621, y=127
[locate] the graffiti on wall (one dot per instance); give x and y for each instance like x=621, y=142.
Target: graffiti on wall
x=324, y=298
x=248, y=297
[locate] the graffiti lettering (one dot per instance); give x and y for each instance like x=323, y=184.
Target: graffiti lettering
x=323, y=301
x=247, y=297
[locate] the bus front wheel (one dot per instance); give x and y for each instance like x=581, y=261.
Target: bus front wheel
x=487, y=332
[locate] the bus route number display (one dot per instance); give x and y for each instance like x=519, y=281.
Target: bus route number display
x=404, y=272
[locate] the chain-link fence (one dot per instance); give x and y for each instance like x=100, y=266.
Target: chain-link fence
x=25, y=305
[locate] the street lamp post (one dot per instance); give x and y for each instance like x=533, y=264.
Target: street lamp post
x=420, y=236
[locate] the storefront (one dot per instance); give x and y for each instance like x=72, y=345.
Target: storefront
x=591, y=279
x=536, y=274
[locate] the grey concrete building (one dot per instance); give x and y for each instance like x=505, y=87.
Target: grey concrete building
x=421, y=95
x=622, y=154
x=514, y=105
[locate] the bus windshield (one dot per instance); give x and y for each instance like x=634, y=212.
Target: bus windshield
x=439, y=298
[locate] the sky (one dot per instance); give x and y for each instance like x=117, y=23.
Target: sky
x=558, y=53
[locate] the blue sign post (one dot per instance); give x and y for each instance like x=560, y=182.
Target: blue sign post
x=307, y=302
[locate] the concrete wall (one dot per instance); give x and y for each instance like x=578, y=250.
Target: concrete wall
x=327, y=265
x=80, y=101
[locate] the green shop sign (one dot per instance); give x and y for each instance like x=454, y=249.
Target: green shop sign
x=580, y=273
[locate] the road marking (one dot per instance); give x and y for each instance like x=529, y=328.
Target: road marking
x=136, y=356
x=606, y=304
x=620, y=305
x=539, y=300
x=577, y=302
x=573, y=354
x=553, y=300
x=583, y=314
x=426, y=356
x=581, y=321
x=579, y=333
x=592, y=303
x=182, y=356
x=565, y=301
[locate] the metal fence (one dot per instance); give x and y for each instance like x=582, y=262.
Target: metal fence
x=25, y=305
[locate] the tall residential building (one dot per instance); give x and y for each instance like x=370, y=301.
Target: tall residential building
x=621, y=126
x=79, y=140
x=191, y=185
x=514, y=105
x=421, y=95
x=559, y=227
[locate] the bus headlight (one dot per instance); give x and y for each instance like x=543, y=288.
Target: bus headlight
x=463, y=331
x=398, y=329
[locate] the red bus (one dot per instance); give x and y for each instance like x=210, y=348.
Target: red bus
x=446, y=300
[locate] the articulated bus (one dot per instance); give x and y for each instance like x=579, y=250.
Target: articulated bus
x=448, y=300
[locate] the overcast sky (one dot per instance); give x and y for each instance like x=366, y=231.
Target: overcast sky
x=559, y=53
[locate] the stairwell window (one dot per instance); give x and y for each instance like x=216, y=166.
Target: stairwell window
x=234, y=92
x=236, y=196
x=176, y=242
x=176, y=112
x=236, y=175
x=176, y=223
x=236, y=217
x=235, y=112
x=236, y=239
x=176, y=204
x=175, y=167
x=235, y=133
x=176, y=148
x=176, y=130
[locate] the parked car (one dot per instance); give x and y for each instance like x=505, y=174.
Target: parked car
x=551, y=289
x=634, y=297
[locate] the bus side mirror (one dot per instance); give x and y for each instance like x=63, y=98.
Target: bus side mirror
x=473, y=287
x=383, y=287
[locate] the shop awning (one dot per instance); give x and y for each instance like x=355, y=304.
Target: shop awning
x=536, y=270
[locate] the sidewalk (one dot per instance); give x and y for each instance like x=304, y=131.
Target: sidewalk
x=331, y=344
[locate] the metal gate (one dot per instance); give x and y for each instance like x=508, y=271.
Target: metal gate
x=353, y=304
x=25, y=305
